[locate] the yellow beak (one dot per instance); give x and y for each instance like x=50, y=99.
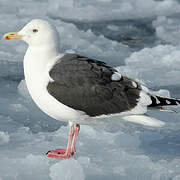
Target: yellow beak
x=12, y=35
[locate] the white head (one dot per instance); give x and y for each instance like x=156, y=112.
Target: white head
x=37, y=33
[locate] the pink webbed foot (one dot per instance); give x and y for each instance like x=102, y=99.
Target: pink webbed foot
x=58, y=153
x=66, y=153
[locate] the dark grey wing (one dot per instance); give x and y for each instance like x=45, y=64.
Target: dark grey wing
x=86, y=84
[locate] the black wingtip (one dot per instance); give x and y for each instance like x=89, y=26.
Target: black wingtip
x=162, y=101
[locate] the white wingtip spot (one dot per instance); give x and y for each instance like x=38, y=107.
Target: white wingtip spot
x=168, y=102
x=157, y=101
x=177, y=103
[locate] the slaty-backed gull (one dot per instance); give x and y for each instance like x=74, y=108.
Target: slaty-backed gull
x=78, y=89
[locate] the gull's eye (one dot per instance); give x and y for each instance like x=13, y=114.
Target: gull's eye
x=35, y=30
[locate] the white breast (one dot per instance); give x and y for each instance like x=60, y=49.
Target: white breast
x=36, y=70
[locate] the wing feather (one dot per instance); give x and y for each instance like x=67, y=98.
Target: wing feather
x=85, y=84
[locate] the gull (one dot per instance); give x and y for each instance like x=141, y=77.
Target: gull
x=77, y=89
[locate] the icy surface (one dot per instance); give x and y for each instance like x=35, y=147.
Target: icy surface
x=96, y=10
x=167, y=29
x=142, y=41
x=72, y=168
x=162, y=61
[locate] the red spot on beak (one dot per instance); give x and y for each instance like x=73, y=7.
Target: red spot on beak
x=7, y=38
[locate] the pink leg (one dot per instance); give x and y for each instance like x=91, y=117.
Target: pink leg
x=66, y=153
x=77, y=129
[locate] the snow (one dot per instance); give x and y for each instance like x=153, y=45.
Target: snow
x=73, y=40
x=167, y=29
x=4, y=138
x=98, y=10
x=72, y=168
x=161, y=60
x=142, y=41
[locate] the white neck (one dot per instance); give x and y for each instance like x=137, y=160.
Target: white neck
x=37, y=63
x=36, y=59
x=41, y=55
